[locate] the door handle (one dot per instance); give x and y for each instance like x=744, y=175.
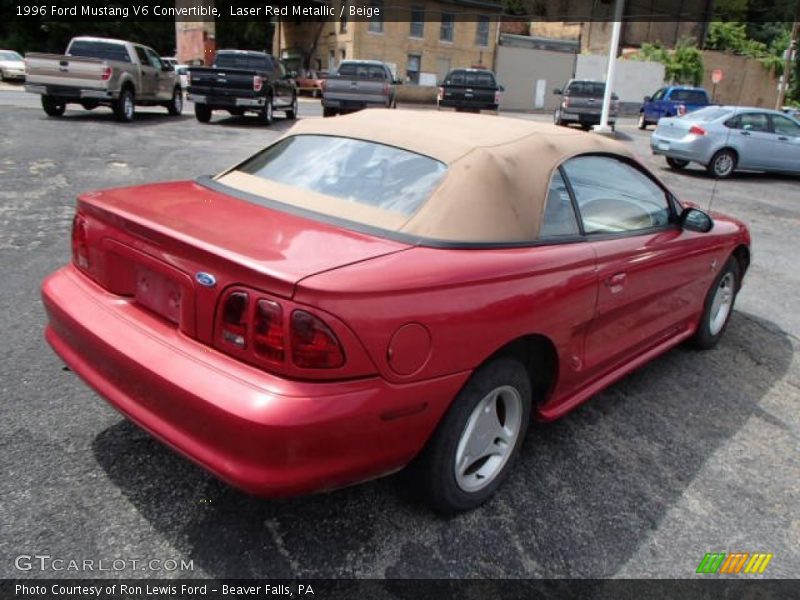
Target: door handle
x=616, y=283
x=745, y=132
x=783, y=138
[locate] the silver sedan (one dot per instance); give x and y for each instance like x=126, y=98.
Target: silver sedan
x=726, y=138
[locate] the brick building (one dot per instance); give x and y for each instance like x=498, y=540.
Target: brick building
x=420, y=39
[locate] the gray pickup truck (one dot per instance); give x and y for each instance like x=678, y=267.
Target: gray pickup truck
x=358, y=84
x=103, y=72
x=582, y=103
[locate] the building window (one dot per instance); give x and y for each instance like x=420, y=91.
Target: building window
x=376, y=21
x=417, y=25
x=482, y=31
x=448, y=27
x=413, y=67
x=343, y=54
x=343, y=24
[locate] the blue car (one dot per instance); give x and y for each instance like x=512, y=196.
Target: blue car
x=671, y=101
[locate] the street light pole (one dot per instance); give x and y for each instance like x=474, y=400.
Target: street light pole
x=612, y=63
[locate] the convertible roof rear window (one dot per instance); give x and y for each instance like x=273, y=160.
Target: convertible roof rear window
x=367, y=173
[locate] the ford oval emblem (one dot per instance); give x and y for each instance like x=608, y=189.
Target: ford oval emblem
x=205, y=279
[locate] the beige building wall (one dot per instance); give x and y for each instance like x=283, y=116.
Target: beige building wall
x=745, y=81
x=395, y=43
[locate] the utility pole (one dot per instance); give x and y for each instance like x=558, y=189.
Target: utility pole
x=788, y=63
x=613, y=48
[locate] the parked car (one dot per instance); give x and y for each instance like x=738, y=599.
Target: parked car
x=359, y=84
x=12, y=66
x=470, y=90
x=183, y=76
x=242, y=81
x=671, y=101
x=582, y=103
x=728, y=138
x=170, y=60
x=248, y=320
x=792, y=111
x=103, y=72
x=311, y=82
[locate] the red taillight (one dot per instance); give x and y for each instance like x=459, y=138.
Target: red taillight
x=314, y=345
x=440, y=94
x=106, y=74
x=697, y=130
x=234, y=320
x=566, y=102
x=252, y=327
x=681, y=110
x=497, y=97
x=258, y=83
x=80, y=243
x=268, y=338
x=385, y=89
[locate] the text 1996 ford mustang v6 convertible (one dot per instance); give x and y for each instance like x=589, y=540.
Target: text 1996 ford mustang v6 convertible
x=385, y=289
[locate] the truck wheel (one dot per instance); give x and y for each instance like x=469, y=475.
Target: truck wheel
x=53, y=107
x=642, y=121
x=202, y=113
x=291, y=113
x=175, y=107
x=265, y=116
x=328, y=112
x=125, y=106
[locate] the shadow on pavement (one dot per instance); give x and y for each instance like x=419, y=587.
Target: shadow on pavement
x=585, y=494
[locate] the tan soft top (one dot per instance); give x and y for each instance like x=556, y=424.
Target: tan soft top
x=499, y=170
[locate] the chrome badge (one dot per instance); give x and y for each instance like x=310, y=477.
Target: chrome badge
x=205, y=279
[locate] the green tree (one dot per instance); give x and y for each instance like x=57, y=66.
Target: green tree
x=684, y=64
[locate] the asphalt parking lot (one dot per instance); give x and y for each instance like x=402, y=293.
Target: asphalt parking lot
x=696, y=452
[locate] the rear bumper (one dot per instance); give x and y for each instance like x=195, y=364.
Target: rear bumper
x=68, y=93
x=467, y=105
x=353, y=104
x=697, y=150
x=261, y=433
x=255, y=102
x=585, y=118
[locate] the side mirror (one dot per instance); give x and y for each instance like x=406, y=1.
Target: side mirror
x=647, y=98
x=501, y=88
x=557, y=91
x=397, y=81
x=695, y=219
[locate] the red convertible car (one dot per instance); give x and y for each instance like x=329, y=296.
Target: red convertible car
x=386, y=289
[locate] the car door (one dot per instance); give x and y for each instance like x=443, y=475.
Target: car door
x=651, y=108
x=753, y=140
x=652, y=274
x=149, y=76
x=165, y=77
x=284, y=86
x=786, y=144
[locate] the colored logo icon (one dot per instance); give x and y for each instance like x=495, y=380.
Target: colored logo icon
x=737, y=562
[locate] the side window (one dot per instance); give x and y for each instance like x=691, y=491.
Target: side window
x=559, y=216
x=784, y=126
x=142, y=56
x=753, y=122
x=614, y=196
x=658, y=95
x=154, y=59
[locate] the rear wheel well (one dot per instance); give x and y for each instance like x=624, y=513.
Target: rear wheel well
x=540, y=359
x=128, y=86
x=729, y=149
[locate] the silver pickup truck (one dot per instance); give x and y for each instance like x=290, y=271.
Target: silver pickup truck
x=582, y=103
x=358, y=84
x=103, y=72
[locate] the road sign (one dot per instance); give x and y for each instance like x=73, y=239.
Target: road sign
x=716, y=76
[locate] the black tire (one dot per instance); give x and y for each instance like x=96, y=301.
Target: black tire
x=642, y=124
x=125, y=106
x=89, y=105
x=236, y=112
x=328, y=112
x=175, y=106
x=291, y=113
x=202, y=113
x=434, y=471
x=710, y=329
x=677, y=163
x=722, y=164
x=53, y=107
x=266, y=114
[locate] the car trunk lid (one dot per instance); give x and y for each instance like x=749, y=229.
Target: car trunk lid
x=173, y=248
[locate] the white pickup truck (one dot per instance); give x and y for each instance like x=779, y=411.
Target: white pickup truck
x=103, y=72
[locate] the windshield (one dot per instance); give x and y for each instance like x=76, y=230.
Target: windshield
x=706, y=115
x=10, y=55
x=361, y=71
x=473, y=78
x=249, y=62
x=585, y=88
x=364, y=172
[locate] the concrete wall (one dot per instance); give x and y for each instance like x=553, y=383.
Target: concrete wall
x=745, y=81
x=523, y=71
x=633, y=79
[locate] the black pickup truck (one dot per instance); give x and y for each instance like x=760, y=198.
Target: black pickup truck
x=470, y=90
x=241, y=81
